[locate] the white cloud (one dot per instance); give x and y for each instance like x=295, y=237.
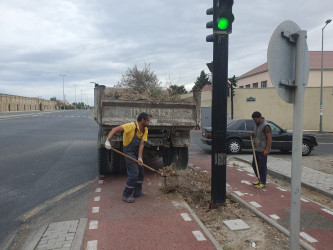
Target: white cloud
x=99, y=40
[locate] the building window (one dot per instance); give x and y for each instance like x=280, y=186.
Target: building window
x=248, y=86
x=255, y=85
x=264, y=84
x=241, y=87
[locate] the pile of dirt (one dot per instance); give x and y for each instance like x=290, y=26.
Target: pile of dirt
x=194, y=186
x=131, y=94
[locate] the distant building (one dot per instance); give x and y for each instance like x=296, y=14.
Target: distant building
x=21, y=103
x=259, y=77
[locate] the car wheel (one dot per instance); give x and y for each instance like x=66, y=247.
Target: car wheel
x=306, y=149
x=234, y=146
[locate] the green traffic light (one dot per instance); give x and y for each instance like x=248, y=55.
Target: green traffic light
x=223, y=23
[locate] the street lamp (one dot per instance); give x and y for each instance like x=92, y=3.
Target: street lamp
x=321, y=82
x=63, y=87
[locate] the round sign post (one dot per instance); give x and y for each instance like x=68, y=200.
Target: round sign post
x=288, y=67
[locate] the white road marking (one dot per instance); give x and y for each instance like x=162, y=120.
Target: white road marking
x=93, y=224
x=198, y=235
x=100, y=182
x=92, y=245
x=98, y=190
x=282, y=189
x=239, y=193
x=274, y=216
x=308, y=237
x=186, y=217
x=255, y=204
x=327, y=211
x=305, y=200
x=95, y=210
x=246, y=182
x=97, y=198
x=251, y=175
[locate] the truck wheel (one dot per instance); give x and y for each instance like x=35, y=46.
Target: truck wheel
x=103, y=165
x=108, y=161
x=182, y=160
x=170, y=158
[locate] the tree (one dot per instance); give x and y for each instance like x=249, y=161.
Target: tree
x=176, y=90
x=140, y=81
x=201, y=81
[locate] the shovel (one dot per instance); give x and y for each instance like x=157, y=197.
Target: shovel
x=162, y=173
x=255, y=158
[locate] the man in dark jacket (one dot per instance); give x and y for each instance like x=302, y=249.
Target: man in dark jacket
x=262, y=135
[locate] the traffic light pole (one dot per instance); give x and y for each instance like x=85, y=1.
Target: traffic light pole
x=219, y=120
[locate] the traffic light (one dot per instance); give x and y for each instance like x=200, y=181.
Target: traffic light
x=223, y=16
x=232, y=88
x=209, y=25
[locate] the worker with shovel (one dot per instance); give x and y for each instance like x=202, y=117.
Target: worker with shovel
x=261, y=146
x=134, y=136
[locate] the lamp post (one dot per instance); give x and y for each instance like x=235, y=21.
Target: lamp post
x=321, y=81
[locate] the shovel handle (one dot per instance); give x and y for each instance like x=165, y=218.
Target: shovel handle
x=129, y=157
x=254, y=154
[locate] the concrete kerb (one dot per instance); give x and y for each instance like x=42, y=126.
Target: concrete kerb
x=267, y=219
x=284, y=177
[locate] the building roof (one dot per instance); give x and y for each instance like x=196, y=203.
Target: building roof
x=207, y=87
x=314, y=61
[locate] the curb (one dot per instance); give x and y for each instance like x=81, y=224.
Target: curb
x=79, y=235
x=285, y=178
x=267, y=219
x=196, y=218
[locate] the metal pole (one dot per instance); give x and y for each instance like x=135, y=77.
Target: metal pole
x=219, y=120
x=75, y=96
x=296, y=166
x=321, y=81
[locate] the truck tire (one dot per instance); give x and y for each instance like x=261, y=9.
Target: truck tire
x=108, y=161
x=178, y=156
x=103, y=166
x=182, y=160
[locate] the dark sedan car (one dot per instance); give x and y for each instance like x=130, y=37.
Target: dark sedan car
x=238, y=137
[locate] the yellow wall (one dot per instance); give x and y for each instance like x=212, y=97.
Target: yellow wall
x=272, y=107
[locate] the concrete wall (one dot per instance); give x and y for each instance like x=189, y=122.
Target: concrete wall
x=20, y=103
x=272, y=107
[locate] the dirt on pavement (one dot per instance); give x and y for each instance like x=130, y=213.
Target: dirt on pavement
x=194, y=186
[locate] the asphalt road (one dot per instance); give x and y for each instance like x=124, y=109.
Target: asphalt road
x=42, y=156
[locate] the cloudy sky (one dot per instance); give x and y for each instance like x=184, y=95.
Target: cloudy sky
x=97, y=41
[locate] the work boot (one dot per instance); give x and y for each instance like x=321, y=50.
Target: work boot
x=142, y=194
x=260, y=185
x=256, y=182
x=128, y=199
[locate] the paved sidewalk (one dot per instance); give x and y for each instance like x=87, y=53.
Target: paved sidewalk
x=70, y=235
x=273, y=205
x=313, y=179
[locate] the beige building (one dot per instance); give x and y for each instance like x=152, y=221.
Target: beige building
x=20, y=103
x=259, y=77
x=256, y=92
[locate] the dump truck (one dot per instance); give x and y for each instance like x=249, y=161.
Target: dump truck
x=169, y=127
